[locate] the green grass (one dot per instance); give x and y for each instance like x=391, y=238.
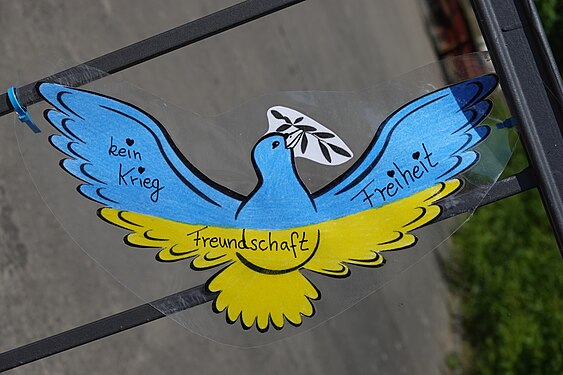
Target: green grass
x=551, y=13
x=508, y=271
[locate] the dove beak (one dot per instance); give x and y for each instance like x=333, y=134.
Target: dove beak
x=291, y=140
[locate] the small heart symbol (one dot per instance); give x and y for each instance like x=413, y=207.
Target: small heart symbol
x=391, y=173
x=141, y=170
x=129, y=141
x=416, y=155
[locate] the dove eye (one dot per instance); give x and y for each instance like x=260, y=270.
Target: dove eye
x=275, y=144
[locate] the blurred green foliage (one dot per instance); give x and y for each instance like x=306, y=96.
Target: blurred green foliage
x=551, y=13
x=508, y=271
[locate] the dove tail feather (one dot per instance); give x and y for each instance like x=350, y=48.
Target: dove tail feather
x=262, y=300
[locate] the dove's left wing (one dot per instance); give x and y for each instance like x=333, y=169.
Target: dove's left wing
x=127, y=161
x=426, y=142
x=358, y=239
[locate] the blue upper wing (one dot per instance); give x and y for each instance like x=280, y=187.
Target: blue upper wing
x=427, y=141
x=127, y=161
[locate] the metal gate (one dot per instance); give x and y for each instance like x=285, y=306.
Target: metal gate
x=520, y=54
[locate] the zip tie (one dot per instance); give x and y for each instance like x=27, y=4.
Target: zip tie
x=507, y=124
x=23, y=114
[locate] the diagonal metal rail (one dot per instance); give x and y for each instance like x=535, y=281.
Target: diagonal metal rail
x=152, y=47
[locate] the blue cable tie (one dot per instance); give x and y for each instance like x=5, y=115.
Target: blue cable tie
x=507, y=124
x=23, y=114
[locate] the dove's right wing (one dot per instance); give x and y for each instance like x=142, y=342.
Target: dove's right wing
x=426, y=142
x=127, y=161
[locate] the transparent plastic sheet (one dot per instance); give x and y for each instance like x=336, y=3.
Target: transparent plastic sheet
x=220, y=148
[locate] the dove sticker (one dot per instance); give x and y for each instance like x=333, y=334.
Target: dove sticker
x=263, y=244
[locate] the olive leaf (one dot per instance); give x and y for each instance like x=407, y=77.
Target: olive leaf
x=324, y=135
x=325, y=152
x=304, y=143
x=279, y=116
x=283, y=128
x=276, y=114
x=306, y=128
x=339, y=150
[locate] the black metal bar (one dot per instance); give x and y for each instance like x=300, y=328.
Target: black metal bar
x=104, y=327
x=154, y=46
x=198, y=295
x=484, y=195
x=533, y=89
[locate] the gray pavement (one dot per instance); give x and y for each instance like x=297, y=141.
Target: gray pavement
x=48, y=285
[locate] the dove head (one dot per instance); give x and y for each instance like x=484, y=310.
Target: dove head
x=272, y=156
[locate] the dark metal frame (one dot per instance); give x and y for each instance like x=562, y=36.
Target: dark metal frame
x=532, y=86
x=530, y=81
x=155, y=46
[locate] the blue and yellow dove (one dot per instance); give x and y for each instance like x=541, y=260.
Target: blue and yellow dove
x=262, y=242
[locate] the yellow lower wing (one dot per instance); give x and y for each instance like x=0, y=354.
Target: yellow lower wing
x=358, y=239
x=261, y=283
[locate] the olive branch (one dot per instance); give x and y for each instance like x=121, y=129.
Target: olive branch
x=302, y=131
